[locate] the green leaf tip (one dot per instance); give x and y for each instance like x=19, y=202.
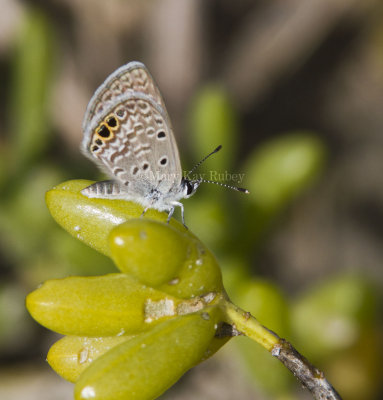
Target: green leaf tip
x=166, y=258
x=145, y=366
x=91, y=220
x=112, y=304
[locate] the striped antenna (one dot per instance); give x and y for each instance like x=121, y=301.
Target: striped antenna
x=238, y=189
x=204, y=159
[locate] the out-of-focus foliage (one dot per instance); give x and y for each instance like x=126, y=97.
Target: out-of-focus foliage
x=329, y=322
x=336, y=325
x=32, y=246
x=31, y=91
x=271, y=307
x=279, y=170
x=213, y=121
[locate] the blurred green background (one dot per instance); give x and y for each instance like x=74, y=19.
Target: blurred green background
x=293, y=90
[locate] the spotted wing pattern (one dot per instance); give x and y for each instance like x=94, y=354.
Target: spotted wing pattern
x=128, y=133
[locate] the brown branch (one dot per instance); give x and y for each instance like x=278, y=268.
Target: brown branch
x=311, y=377
x=243, y=322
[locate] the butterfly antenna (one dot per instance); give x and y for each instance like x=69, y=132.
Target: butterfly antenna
x=238, y=189
x=204, y=159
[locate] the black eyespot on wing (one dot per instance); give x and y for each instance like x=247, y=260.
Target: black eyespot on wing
x=103, y=131
x=98, y=141
x=94, y=148
x=161, y=135
x=134, y=170
x=112, y=122
x=145, y=166
x=163, y=161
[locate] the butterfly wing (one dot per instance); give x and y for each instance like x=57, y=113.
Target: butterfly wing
x=130, y=78
x=127, y=132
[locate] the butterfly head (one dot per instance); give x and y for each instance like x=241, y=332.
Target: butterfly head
x=189, y=187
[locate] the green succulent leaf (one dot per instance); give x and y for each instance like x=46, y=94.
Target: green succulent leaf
x=71, y=355
x=152, y=252
x=164, y=257
x=91, y=220
x=113, y=304
x=145, y=366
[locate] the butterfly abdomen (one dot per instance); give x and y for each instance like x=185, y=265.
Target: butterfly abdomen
x=103, y=189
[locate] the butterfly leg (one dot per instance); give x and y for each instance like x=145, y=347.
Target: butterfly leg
x=144, y=212
x=170, y=214
x=176, y=203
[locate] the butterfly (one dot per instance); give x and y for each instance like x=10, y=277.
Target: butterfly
x=128, y=134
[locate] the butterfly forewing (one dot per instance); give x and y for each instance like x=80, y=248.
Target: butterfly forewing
x=130, y=78
x=128, y=133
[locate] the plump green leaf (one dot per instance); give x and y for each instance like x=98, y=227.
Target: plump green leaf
x=71, y=355
x=147, y=365
x=91, y=220
x=151, y=251
x=163, y=257
x=113, y=304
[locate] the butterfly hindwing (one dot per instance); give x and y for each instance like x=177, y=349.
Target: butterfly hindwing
x=128, y=133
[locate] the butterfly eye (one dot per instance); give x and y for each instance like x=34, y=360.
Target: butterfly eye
x=190, y=188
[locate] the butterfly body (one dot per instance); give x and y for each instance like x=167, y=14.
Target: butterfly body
x=127, y=132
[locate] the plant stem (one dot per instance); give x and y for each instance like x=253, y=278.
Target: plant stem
x=310, y=377
x=245, y=323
